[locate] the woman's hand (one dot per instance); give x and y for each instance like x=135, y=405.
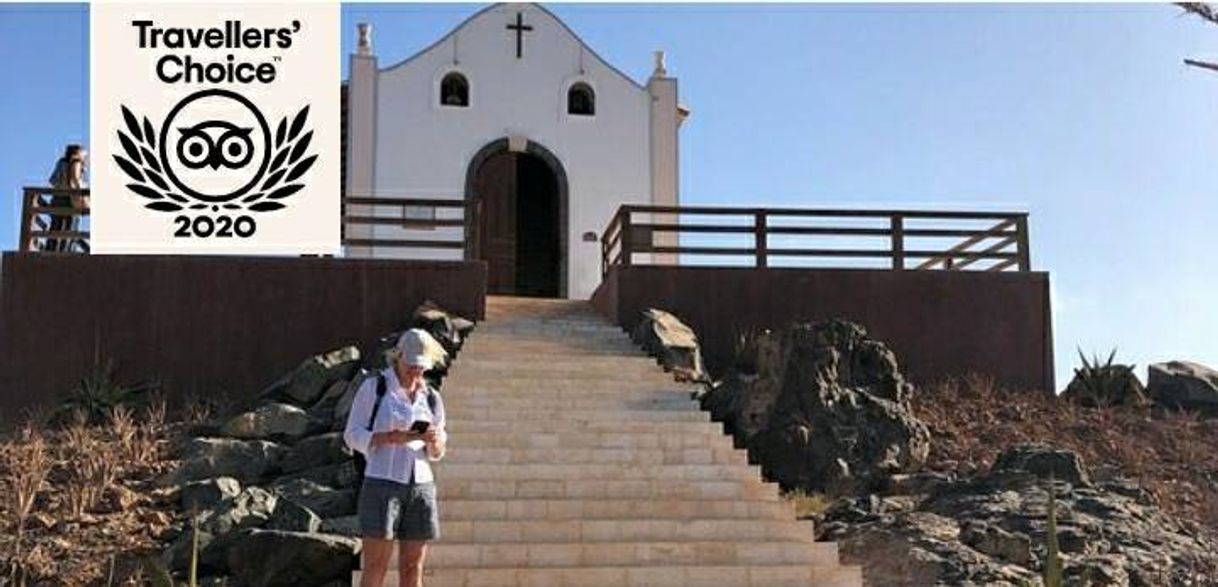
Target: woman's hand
x=394, y=437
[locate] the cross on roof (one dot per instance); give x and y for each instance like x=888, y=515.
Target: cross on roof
x=520, y=28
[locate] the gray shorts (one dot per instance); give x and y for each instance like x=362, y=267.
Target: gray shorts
x=396, y=511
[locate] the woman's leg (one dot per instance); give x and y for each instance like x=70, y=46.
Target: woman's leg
x=376, y=561
x=410, y=562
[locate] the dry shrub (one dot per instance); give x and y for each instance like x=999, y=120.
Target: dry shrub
x=78, y=504
x=1172, y=455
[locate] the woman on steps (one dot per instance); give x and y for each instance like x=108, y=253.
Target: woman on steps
x=397, y=423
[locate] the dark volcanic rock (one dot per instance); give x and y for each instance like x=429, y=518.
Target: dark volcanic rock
x=449, y=330
x=991, y=530
x=1180, y=384
x=271, y=558
x=248, y=461
x=305, y=384
x=825, y=407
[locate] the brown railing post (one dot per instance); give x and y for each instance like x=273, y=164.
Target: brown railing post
x=898, y=242
x=759, y=238
x=27, y=218
x=1021, y=233
x=626, y=236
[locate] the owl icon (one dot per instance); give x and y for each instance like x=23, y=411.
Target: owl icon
x=215, y=144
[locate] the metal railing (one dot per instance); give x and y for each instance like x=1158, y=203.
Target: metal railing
x=50, y=220
x=903, y=239
x=400, y=220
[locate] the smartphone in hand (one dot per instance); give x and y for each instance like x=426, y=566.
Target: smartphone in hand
x=420, y=426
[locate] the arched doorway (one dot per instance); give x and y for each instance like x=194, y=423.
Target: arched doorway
x=520, y=200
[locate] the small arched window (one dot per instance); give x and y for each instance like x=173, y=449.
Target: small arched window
x=581, y=100
x=454, y=90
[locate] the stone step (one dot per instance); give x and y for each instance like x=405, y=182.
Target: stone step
x=625, y=530
x=445, y=554
x=524, y=400
x=486, y=384
x=641, y=392
x=605, y=489
x=574, y=416
x=448, y=472
x=478, y=436
x=717, y=575
x=507, y=346
x=559, y=363
x=614, y=509
x=466, y=454
x=617, y=428
x=471, y=368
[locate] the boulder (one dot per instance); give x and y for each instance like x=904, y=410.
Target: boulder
x=1184, y=385
x=673, y=343
x=277, y=421
x=339, y=475
x=323, y=410
x=1103, y=385
x=316, y=451
x=325, y=501
x=306, y=383
x=824, y=408
x=272, y=558
x=344, y=526
x=448, y=330
x=251, y=508
x=293, y=517
x=247, y=461
x=208, y=493
x=1043, y=462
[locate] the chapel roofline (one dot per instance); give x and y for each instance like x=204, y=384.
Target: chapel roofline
x=543, y=9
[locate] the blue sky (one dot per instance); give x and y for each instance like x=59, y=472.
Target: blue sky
x=45, y=102
x=1082, y=115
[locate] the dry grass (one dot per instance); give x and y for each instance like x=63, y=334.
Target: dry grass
x=1173, y=455
x=808, y=504
x=77, y=504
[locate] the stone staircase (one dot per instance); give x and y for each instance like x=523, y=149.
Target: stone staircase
x=575, y=460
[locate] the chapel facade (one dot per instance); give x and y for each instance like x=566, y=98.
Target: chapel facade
x=512, y=114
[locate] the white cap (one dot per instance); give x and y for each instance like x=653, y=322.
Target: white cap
x=412, y=348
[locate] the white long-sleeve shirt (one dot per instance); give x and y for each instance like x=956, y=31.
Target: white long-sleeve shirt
x=394, y=462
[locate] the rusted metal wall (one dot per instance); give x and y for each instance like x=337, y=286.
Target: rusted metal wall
x=940, y=323
x=208, y=326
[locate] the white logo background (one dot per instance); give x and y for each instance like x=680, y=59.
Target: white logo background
x=215, y=145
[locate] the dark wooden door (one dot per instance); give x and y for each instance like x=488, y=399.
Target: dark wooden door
x=496, y=189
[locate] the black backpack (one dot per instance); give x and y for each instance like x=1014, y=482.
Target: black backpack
x=361, y=462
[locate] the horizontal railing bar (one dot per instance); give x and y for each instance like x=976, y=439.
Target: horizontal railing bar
x=48, y=191
x=432, y=202
x=956, y=232
x=59, y=234
x=702, y=228
x=826, y=231
x=1003, y=265
x=406, y=222
x=400, y=243
x=643, y=248
x=58, y=211
x=725, y=211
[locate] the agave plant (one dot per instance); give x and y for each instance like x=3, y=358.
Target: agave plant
x=1105, y=383
x=99, y=392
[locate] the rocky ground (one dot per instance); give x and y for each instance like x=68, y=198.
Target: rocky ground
x=262, y=497
x=952, y=484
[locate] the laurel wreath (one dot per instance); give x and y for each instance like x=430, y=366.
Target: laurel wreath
x=146, y=171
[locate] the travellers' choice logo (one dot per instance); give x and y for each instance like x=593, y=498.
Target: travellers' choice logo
x=215, y=151
x=219, y=128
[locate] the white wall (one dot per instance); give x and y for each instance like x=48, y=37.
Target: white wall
x=423, y=149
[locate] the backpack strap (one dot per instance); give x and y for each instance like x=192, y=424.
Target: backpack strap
x=431, y=400
x=380, y=394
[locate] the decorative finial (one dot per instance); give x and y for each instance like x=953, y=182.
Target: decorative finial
x=659, y=58
x=364, y=46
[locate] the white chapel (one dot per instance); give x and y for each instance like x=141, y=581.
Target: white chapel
x=514, y=116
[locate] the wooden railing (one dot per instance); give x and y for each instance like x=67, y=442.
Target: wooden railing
x=47, y=227
x=896, y=239
x=398, y=218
